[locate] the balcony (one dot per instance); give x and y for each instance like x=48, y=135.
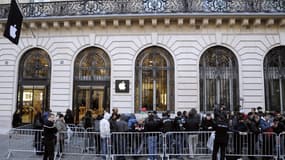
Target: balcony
x=99, y=8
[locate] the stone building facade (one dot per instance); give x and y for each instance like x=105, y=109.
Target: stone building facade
x=195, y=53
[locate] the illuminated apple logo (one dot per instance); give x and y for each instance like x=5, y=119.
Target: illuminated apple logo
x=13, y=31
x=122, y=86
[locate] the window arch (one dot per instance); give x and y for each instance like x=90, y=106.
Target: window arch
x=33, y=83
x=91, y=82
x=218, y=79
x=274, y=79
x=154, y=80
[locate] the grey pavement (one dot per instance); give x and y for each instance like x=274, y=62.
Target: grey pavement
x=4, y=139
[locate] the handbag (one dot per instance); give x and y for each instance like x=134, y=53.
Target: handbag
x=210, y=142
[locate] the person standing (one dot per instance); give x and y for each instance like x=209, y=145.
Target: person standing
x=38, y=126
x=121, y=141
x=152, y=125
x=17, y=119
x=61, y=128
x=221, y=128
x=69, y=118
x=105, y=134
x=49, y=137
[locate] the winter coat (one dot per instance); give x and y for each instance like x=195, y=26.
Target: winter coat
x=50, y=131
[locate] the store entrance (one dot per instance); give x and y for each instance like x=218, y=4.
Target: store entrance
x=29, y=98
x=94, y=98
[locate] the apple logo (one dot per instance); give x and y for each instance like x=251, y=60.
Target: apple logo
x=122, y=86
x=13, y=31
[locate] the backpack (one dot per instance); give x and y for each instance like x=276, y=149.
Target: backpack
x=87, y=122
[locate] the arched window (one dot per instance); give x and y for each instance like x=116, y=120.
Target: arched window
x=218, y=79
x=154, y=84
x=91, y=82
x=33, y=83
x=274, y=79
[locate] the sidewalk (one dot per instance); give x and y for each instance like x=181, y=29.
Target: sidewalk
x=3, y=145
x=31, y=156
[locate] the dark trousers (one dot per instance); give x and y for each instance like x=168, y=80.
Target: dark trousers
x=61, y=145
x=219, y=145
x=49, y=149
x=38, y=142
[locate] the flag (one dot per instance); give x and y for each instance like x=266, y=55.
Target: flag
x=14, y=23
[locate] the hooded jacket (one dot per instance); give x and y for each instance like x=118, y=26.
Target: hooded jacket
x=105, y=126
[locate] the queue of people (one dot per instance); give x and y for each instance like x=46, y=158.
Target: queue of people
x=220, y=121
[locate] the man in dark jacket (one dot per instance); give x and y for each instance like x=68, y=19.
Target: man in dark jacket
x=49, y=137
x=152, y=125
x=120, y=139
x=167, y=123
x=192, y=124
x=253, y=127
x=221, y=128
x=240, y=134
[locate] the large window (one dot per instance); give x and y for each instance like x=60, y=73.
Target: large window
x=33, y=83
x=91, y=82
x=274, y=79
x=154, y=85
x=218, y=79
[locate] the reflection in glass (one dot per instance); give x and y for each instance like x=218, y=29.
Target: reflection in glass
x=274, y=77
x=36, y=65
x=92, y=64
x=33, y=97
x=154, y=80
x=91, y=83
x=33, y=83
x=218, y=79
x=91, y=98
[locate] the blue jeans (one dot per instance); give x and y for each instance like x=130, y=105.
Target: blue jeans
x=152, y=147
x=104, y=147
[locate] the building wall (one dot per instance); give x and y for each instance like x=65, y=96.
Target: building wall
x=123, y=43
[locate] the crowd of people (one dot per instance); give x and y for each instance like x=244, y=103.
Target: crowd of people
x=220, y=121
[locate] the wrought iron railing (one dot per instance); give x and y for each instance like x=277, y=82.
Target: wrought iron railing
x=109, y=7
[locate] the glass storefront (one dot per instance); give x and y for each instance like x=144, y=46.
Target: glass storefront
x=274, y=79
x=91, y=83
x=218, y=79
x=33, y=84
x=154, y=80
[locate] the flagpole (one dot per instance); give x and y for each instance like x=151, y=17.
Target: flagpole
x=18, y=3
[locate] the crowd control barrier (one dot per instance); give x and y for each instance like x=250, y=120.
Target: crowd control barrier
x=80, y=141
x=25, y=140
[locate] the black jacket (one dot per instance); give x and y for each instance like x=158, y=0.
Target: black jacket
x=167, y=124
x=192, y=123
x=221, y=134
x=207, y=125
x=152, y=125
x=49, y=131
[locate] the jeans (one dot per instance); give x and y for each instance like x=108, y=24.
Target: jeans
x=104, y=147
x=152, y=146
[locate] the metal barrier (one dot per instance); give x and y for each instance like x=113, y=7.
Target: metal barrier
x=152, y=144
x=85, y=142
x=137, y=144
x=25, y=140
x=192, y=144
x=26, y=126
x=281, y=145
x=244, y=144
x=178, y=144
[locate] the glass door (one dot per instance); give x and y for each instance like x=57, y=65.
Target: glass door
x=31, y=97
x=91, y=98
